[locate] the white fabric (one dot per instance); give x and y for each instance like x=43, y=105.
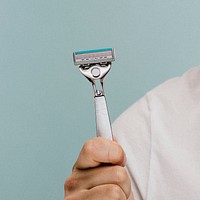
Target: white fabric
x=161, y=137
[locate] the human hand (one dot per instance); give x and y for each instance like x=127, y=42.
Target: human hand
x=99, y=173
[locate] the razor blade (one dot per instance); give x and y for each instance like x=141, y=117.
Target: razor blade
x=94, y=56
x=94, y=65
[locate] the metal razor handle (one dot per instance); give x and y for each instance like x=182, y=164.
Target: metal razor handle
x=94, y=65
x=103, y=126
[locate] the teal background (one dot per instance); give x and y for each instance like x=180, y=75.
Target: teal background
x=46, y=106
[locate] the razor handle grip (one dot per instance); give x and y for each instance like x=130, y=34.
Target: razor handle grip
x=103, y=126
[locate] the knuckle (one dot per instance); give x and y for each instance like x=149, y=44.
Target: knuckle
x=88, y=146
x=70, y=184
x=120, y=175
x=68, y=198
x=116, y=192
x=71, y=197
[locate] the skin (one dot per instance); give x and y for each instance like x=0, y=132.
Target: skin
x=99, y=173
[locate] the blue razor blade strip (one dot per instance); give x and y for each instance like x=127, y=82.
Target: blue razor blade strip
x=93, y=51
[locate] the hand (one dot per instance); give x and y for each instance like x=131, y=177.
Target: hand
x=99, y=173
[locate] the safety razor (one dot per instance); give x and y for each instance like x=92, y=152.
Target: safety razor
x=94, y=65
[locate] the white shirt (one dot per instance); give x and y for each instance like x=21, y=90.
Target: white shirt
x=160, y=135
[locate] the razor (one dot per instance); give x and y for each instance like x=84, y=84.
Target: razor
x=94, y=65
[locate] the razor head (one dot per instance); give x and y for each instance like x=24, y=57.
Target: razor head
x=88, y=57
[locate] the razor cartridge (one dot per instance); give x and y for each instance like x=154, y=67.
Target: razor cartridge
x=93, y=56
x=94, y=65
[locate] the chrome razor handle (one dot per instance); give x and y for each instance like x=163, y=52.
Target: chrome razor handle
x=94, y=65
x=103, y=126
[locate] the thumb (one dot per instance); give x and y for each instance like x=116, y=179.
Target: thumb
x=100, y=150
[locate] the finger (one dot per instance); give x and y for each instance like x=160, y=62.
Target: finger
x=100, y=150
x=88, y=179
x=131, y=197
x=102, y=192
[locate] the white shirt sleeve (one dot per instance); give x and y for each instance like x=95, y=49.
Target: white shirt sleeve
x=161, y=136
x=132, y=130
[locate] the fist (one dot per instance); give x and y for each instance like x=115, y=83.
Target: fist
x=99, y=173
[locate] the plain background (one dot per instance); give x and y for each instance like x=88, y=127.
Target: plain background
x=46, y=105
